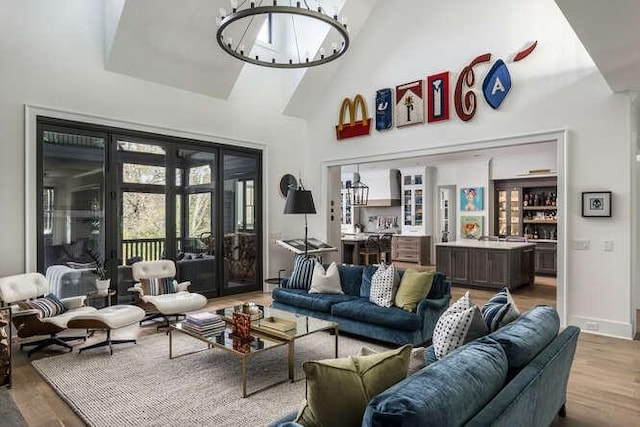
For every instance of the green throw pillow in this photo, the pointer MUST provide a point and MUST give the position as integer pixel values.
(339, 390)
(414, 287)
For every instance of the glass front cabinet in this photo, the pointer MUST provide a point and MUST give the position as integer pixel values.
(414, 199)
(529, 208)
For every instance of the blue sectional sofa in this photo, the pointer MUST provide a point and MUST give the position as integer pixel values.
(515, 376)
(356, 315)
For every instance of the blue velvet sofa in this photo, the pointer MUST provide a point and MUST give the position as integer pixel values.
(356, 315)
(516, 376)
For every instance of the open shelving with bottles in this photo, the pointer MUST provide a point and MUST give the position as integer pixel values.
(540, 210)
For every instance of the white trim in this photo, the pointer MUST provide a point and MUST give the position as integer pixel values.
(559, 136)
(31, 113)
(607, 328)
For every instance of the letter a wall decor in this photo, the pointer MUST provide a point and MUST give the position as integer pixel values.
(409, 104)
(353, 127)
(384, 109)
(438, 97)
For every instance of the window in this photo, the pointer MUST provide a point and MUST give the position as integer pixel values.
(266, 32)
(48, 210)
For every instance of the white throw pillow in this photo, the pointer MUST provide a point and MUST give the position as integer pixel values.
(384, 285)
(461, 323)
(325, 281)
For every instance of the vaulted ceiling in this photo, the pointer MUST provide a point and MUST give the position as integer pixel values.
(173, 43)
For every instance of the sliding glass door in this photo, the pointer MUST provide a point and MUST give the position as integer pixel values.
(119, 197)
(241, 231)
(71, 210)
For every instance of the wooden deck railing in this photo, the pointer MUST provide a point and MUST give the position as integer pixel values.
(147, 249)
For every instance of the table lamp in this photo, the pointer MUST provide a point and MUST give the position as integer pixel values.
(300, 201)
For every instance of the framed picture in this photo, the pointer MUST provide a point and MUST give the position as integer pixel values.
(384, 109)
(471, 227)
(596, 204)
(472, 199)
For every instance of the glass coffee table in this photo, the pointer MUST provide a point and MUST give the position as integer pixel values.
(301, 326)
(241, 349)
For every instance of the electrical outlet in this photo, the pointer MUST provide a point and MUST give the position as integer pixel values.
(591, 326)
(276, 235)
(581, 244)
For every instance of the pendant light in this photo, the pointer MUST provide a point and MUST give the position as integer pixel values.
(359, 191)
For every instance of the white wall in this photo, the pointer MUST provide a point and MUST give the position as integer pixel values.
(52, 55)
(557, 87)
(465, 175)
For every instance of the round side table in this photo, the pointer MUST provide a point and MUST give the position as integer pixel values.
(97, 295)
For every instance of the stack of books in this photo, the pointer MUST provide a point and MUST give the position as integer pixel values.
(205, 323)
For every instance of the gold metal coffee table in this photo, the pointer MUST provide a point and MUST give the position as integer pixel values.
(221, 340)
(304, 325)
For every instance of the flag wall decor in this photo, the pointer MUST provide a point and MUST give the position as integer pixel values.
(409, 104)
(384, 109)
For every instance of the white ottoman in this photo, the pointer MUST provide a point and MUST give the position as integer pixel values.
(108, 318)
(168, 305)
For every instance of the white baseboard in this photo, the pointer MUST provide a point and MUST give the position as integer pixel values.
(604, 327)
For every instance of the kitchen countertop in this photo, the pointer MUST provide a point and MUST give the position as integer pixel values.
(472, 243)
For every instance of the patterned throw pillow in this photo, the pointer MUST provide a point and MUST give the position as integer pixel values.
(500, 310)
(48, 306)
(461, 323)
(384, 285)
(302, 272)
(325, 281)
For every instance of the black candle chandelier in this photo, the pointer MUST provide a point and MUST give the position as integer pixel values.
(293, 9)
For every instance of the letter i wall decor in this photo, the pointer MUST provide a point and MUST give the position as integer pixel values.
(409, 104)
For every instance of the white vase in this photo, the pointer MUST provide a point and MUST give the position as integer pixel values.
(102, 286)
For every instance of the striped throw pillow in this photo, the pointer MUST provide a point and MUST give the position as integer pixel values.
(302, 272)
(157, 286)
(48, 306)
(500, 310)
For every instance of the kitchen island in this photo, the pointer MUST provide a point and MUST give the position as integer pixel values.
(484, 264)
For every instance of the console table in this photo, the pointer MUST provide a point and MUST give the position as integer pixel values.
(485, 264)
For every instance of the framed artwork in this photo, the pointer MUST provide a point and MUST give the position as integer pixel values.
(438, 97)
(409, 104)
(596, 204)
(472, 199)
(384, 109)
(471, 227)
(353, 127)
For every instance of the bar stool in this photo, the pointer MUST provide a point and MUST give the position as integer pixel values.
(385, 247)
(371, 249)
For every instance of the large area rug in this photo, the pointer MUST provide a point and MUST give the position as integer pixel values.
(140, 386)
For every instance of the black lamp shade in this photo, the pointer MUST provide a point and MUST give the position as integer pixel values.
(299, 202)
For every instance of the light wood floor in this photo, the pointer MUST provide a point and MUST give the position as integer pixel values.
(604, 387)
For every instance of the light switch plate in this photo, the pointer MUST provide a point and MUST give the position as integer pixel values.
(608, 245)
(581, 244)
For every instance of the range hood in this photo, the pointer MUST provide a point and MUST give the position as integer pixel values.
(384, 186)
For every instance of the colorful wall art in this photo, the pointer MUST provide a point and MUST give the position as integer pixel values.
(438, 97)
(384, 109)
(471, 227)
(409, 104)
(353, 127)
(472, 199)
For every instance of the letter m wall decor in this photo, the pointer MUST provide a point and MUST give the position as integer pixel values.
(438, 97)
(409, 104)
(353, 127)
